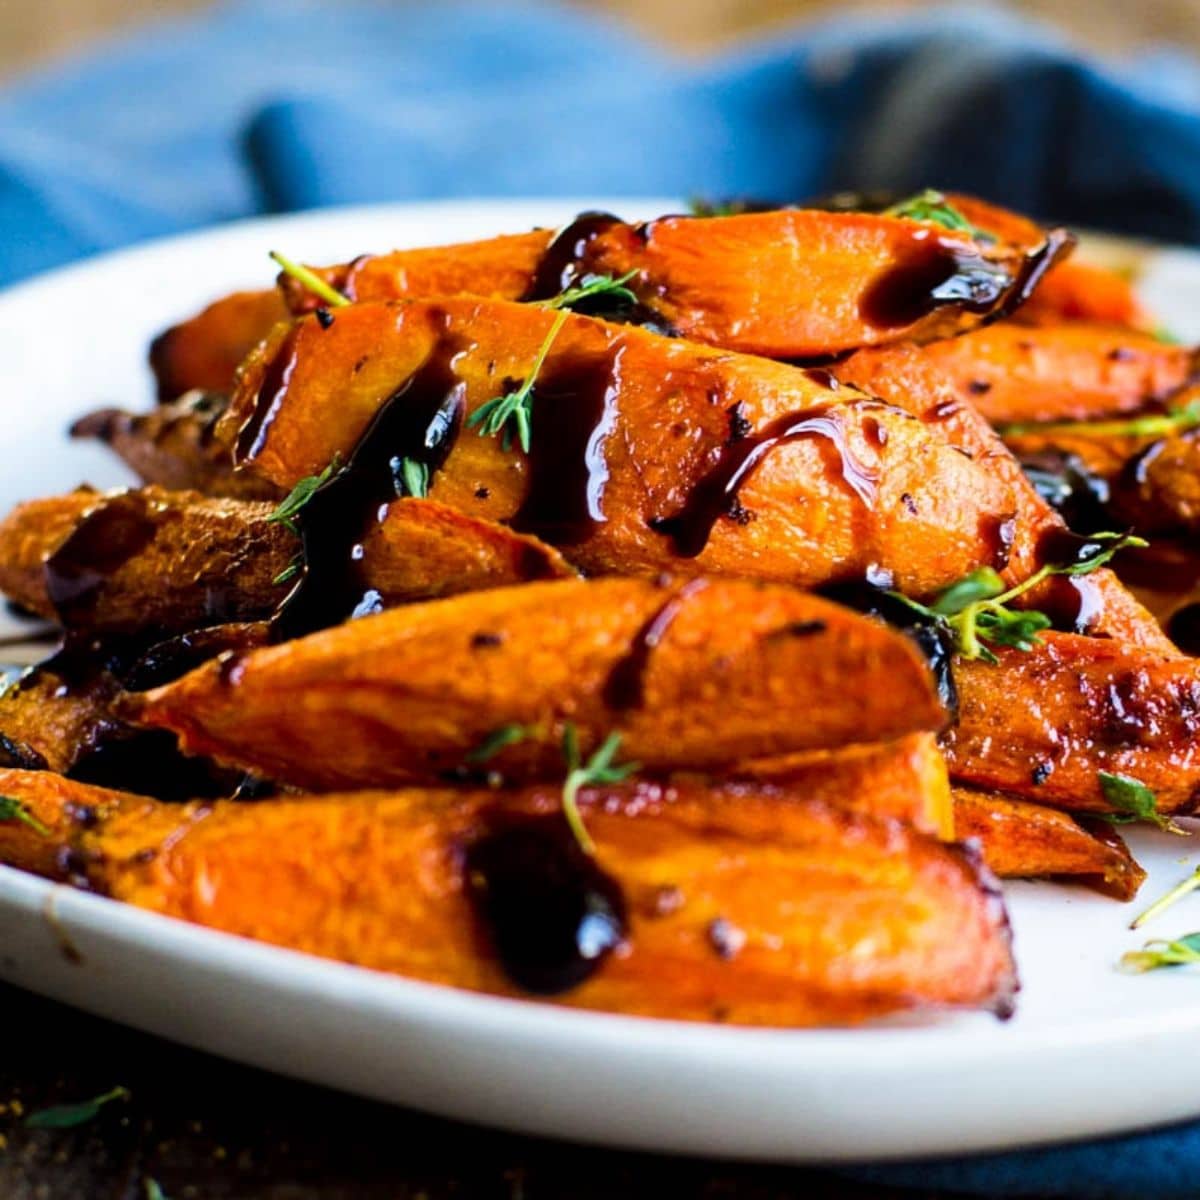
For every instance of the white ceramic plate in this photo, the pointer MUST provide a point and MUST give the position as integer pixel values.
(1091, 1051)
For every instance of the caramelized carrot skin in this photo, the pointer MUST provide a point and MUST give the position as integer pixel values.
(1080, 291)
(204, 548)
(1013, 373)
(729, 281)
(198, 561)
(740, 670)
(1043, 723)
(205, 351)
(1022, 840)
(905, 779)
(876, 488)
(837, 916)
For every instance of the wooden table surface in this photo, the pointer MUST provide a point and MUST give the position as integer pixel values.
(205, 1129)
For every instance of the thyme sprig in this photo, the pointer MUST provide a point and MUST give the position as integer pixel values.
(67, 1116)
(497, 740)
(974, 610)
(289, 507)
(599, 769)
(1178, 420)
(1177, 893)
(591, 286)
(1160, 952)
(311, 280)
(932, 205)
(13, 810)
(1136, 803)
(514, 410)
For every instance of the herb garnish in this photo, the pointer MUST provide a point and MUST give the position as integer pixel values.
(497, 740)
(591, 286)
(414, 476)
(13, 810)
(1153, 425)
(974, 610)
(1190, 884)
(287, 511)
(599, 769)
(153, 1189)
(1136, 802)
(931, 205)
(1162, 953)
(67, 1116)
(311, 280)
(494, 416)
(290, 571)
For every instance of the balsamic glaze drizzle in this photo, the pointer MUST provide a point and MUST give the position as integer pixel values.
(715, 495)
(420, 421)
(574, 412)
(564, 262)
(549, 910)
(271, 394)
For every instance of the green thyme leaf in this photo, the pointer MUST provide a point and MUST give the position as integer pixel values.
(514, 411)
(1135, 802)
(415, 477)
(1177, 420)
(290, 571)
(311, 280)
(591, 286)
(1161, 953)
(598, 770)
(13, 810)
(981, 584)
(285, 514)
(153, 1189)
(497, 740)
(67, 1116)
(932, 206)
(975, 608)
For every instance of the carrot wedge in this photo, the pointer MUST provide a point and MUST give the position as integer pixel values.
(204, 351)
(905, 779)
(835, 918)
(1011, 373)
(646, 454)
(173, 446)
(1021, 840)
(693, 676)
(1042, 724)
(205, 560)
(787, 284)
(1075, 290)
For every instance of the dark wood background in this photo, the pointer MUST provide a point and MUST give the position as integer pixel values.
(204, 1129)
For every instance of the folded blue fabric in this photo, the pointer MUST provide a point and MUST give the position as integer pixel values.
(279, 105)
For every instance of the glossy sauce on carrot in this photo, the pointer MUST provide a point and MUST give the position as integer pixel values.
(549, 910)
(574, 412)
(716, 494)
(419, 422)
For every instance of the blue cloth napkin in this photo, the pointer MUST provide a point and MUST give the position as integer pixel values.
(278, 105)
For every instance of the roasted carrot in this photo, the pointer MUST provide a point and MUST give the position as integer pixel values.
(905, 779)
(786, 284)
(833, 918)
(1075, 290)
(208, 560)
(1013, 373)
(1022, 840)
(691, 676)
(1043, 723)
(647, 454)
(204, 351)
(173, 446)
